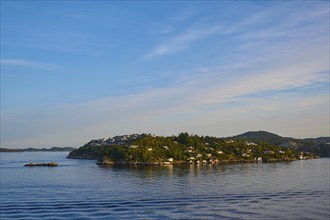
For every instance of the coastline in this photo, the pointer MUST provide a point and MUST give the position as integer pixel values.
(126, 163)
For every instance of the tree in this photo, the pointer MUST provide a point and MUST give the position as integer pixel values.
(183, 138)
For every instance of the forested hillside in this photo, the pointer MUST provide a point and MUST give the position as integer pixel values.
(184, 148)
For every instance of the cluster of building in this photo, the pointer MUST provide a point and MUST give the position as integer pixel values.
(118, 140)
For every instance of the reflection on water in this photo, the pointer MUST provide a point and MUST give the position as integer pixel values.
(79, 189)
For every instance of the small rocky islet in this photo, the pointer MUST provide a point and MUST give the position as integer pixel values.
(147, 149)
(50, 164)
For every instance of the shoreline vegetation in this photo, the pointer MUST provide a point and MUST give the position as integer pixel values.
(147, 149)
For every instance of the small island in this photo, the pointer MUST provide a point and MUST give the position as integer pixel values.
(147, 149)
(50, 164)
(52, 149)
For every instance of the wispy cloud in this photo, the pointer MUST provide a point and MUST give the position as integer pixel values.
(254, 31)
(175, 21)
(166, 29)
(182, 41)
(29, 63)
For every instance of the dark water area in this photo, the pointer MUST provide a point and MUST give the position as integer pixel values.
(79, 189)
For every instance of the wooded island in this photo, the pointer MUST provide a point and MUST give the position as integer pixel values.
(147, 149)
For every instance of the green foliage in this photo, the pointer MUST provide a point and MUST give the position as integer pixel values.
(152, 149)
(183, 138)
(115, 153)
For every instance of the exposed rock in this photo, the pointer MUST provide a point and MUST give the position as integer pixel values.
(105, 161)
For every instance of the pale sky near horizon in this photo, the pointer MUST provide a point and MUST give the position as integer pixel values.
(72, 71)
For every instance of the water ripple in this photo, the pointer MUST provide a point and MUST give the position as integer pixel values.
(229, 205)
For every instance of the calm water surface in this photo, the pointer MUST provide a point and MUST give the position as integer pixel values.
(78, 189)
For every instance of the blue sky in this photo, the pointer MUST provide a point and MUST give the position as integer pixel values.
(72, 71)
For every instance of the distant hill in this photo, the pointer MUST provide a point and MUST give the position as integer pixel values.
(319, 146)
(261, 136)
(53, 149)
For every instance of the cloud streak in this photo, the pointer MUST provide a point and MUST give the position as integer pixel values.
(259, 26)
(181, 41)
(28, 63)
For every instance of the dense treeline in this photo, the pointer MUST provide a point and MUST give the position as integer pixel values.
(186, 148)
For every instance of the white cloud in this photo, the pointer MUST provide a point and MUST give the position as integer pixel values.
(255, 31)
(28, 63)
(167, 29)
(182, 41)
